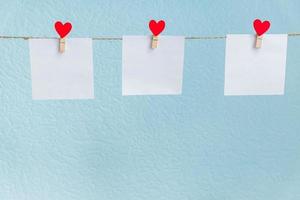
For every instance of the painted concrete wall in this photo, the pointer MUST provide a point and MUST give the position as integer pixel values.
(200, 145)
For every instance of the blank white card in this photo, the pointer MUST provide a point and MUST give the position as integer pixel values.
(149, 71)
(67, 75)
(251, 71)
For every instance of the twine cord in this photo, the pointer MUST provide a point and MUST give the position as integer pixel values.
(120, 38)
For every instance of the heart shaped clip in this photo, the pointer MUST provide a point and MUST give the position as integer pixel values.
(260, 28)
(156, 28)
(63, 30)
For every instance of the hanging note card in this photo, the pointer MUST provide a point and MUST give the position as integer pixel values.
(148, 71)
(252, 71)
(62, 76)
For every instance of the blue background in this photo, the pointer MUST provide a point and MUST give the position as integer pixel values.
(200, 145)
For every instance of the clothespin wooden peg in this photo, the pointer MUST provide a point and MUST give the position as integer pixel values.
(154, 42)
(62, 45)
(156, 28)
(63, 30)
(258, 42)
(261, 28)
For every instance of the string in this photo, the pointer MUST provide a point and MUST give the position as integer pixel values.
(120, 38)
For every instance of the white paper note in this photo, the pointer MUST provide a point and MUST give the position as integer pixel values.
(149, 71)
(67, 75)
(251, 71)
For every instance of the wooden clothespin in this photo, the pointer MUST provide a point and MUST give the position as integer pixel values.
(156, 28)
(154, 42)
(258, 41)
(62, 45)
(261, 28)
(63, 30)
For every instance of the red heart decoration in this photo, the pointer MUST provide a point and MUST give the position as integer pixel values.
(63, 29)
(157, 27)
(261, 27)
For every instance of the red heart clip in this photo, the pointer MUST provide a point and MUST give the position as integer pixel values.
(157, 27)
(63, 29)
(261, 27)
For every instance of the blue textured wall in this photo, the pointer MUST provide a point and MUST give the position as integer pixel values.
(200, 145)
